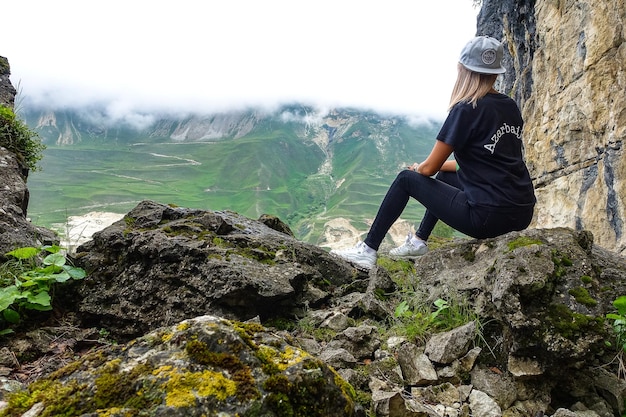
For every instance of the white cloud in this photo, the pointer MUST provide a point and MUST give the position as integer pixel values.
(391, 55)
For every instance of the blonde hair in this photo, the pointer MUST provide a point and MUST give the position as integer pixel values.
(471, 86)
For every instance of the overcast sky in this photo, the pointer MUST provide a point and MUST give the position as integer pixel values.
(396, 56)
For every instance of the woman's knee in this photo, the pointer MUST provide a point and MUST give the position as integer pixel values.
(402, 179)
(409, 181)
(410, 177)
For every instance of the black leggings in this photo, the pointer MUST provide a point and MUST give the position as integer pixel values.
(444, 200)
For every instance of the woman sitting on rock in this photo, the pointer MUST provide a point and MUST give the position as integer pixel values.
(486, 191)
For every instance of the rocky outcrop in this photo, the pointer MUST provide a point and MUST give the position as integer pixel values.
(15, 229)
(219, 126)
(206, 366)
(569, 66)
(7, 91)
(536, 301)
(177, 263)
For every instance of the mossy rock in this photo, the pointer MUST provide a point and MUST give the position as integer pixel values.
(200, 367)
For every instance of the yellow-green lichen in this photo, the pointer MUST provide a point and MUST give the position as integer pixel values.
(66, 370)
(183, 388)
(110, 384)
(523, 241)
(59, 399)
(117, 412)
(200, 352)
(347, 390)
(241, 373)
(276, 361)
(116, 388)
(182, 326)
(247, 331)
(120, 390)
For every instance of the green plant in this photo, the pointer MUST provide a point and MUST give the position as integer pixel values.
(417, 320)
(18, 138)
(619, 321)
(403, 309)
(26, 281)
(619, 328)
(442, 230)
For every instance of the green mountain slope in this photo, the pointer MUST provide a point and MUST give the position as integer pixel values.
(303, 167)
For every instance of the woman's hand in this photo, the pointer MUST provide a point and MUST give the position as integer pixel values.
(413, 167)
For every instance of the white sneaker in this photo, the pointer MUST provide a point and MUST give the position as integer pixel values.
(361, 254)
(410, 248)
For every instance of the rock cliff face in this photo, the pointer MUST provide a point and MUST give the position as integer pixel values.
(7, 92)
(572, 56)
(15, 229)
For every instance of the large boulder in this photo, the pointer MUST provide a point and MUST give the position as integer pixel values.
(162, 264)
(543, 294)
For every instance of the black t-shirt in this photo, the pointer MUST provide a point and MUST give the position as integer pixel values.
(488, 148)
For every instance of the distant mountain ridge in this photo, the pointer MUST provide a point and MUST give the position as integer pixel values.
(72, 126)
(323, 172)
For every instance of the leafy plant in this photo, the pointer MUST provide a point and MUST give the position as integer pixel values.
(18, 138)
(619, 321)
(403, 309)
(418, 320)
(619, 327)
(26, 281)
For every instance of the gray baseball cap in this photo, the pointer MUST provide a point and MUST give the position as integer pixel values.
(483, 54)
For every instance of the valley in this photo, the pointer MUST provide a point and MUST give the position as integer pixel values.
(325, 179)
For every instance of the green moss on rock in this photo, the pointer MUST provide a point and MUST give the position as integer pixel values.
(299, 396)
(523, 241)
(570, 324)
(583, 297)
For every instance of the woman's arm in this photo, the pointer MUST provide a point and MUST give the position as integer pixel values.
(449, 165)
(437, 159)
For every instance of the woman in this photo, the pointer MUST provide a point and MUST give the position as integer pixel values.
(486, 190)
